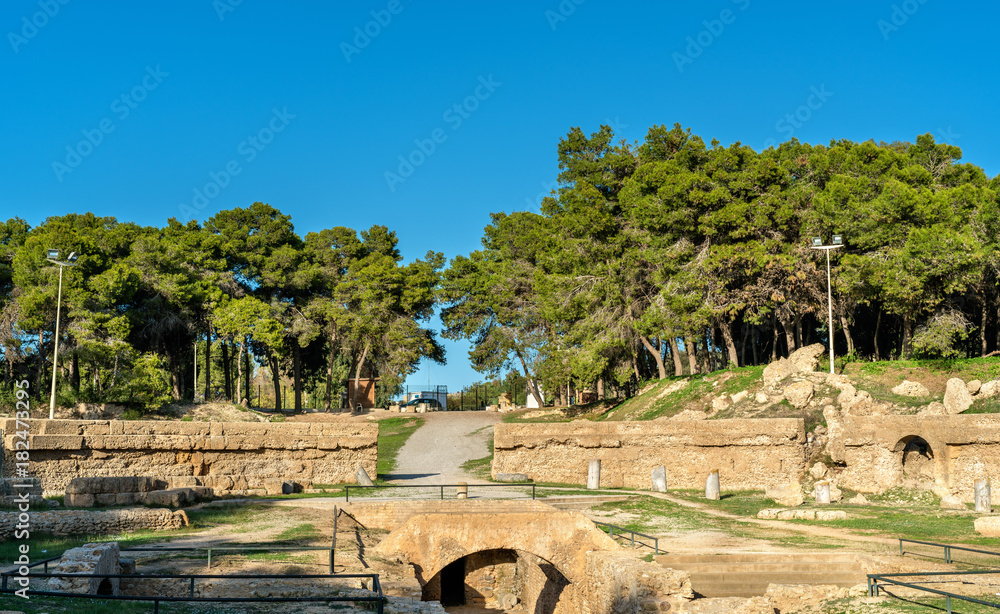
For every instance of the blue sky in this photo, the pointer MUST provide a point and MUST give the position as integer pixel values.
(134, 109)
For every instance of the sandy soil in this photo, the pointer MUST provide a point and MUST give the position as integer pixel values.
(435, 452)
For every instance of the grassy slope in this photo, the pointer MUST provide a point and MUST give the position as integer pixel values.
(878, 378)
(392, 434)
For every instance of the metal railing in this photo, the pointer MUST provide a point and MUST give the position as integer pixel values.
(947, 549)
(874, 587)
(378, 598)
(209, 549)
(621, 531)
(441, 487)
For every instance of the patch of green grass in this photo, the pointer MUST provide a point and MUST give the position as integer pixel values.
(984, 406)
(481, 468)
(392, 434)
(238, 515)
(302, 532)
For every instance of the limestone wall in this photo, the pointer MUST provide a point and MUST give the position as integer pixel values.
(230, 455)
(962, 448)
(750, 454)
(80, 522)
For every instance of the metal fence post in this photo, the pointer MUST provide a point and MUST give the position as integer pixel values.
(532, 491)
(192, 587)
(442, 493)
(347, 493)
(209, 558)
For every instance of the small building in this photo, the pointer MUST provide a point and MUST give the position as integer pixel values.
(366, 392)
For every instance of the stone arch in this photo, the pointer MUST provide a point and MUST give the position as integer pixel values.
(916, 458)
(499, 578)
(559, 540)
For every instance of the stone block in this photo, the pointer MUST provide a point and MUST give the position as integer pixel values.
(512, 477)
(988, 526)
(126, 566)
(172, 497)
(956, 396)
(799, 393)
(79, 500)
(90, 559)
(911, 389)
(974, 386)
(789, 495)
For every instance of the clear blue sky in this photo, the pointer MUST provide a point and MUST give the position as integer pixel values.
(172, 92)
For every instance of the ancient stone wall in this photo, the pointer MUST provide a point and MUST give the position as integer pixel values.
(960, 449)
(750, 454)
(619, 582)
(227, 455)
(80, 522)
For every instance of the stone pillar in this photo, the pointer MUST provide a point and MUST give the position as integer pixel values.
(984, 503)
(659, 478)
(594, 474)
(823, 493)
(362, 476)
(462, 491)
(712, 487)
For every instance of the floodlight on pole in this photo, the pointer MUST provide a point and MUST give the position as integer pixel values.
(817, 243)
(52, 255)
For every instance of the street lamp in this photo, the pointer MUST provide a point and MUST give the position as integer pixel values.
(817, 243)
(52, 256)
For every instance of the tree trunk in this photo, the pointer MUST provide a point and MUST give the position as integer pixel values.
(246, 372)
(675, 353)
(329, 371)
(788, 325)
(706, 355)
(878, 322)
(727, 336)
(531, 383)
(847, 335)
(272, 360)
(982, 330)
(753, 345)
(75, 372)
(208, 367)
(239, 373)
(798, 332)
(904, 350)
(743, 344)
(692, 352)
(600, 388)
(227, 374)
(774, 339)
(41, 363)
(657, 356)
(297, 383)
(357, 375)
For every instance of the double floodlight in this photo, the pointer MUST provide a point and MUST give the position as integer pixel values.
(837, 241)
(53, 254)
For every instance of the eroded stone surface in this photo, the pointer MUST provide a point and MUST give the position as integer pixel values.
(956, 396)
(911, 389)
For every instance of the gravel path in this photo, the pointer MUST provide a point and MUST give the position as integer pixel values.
(435, 452)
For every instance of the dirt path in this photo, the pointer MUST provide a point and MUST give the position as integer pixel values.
(435, 452)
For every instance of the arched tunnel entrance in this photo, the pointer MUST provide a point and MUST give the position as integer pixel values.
(917, 460)
(499, 581)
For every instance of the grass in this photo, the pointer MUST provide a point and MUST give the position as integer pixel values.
(481, 467)
(896, 513)
(392, 434)
(298, 533)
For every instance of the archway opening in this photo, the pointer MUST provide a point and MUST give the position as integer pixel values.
(105, 588)
(453, 583)
(501, 580)
(917, 459)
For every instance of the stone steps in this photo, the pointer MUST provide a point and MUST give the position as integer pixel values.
(747, 575)
(582, 502)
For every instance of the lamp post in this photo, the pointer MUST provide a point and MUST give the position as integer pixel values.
(52, 256)
(817, 243)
